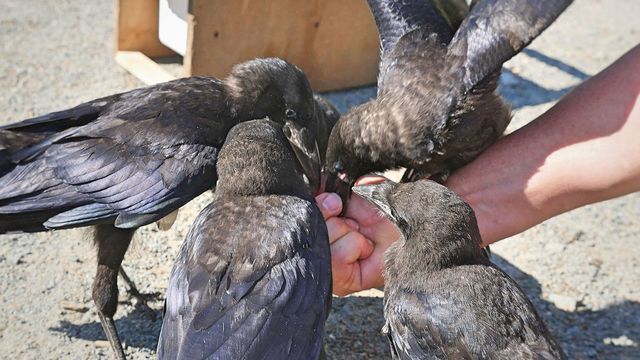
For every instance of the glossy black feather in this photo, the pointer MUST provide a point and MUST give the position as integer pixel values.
(253, 277)
(140, 155)
(495, 31)
(444, 299)
(394, 19)
(131, 158)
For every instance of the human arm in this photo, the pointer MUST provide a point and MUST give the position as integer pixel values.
(583, 150)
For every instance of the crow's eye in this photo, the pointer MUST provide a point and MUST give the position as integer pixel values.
(338, 167)
(290, 114)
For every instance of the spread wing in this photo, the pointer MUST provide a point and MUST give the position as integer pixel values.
(396, 19)
(131, 162)
(252, 280)
(495, 31)
(466, 319)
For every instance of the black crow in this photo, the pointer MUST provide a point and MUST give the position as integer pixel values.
(127, 160)
(443, 298)
(437, 106)
(253, 277)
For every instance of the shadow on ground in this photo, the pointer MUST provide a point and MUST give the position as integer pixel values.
(137, 329)
(578, 331)
(353, 328)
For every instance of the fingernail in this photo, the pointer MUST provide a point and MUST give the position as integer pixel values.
(332, 202)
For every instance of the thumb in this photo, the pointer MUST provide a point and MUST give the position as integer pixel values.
(329, 204)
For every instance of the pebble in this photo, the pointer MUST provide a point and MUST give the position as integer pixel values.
(73, 306)
(563, 302)
(620, 341)
(101, 344)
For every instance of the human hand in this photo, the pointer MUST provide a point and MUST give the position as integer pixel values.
(358, 240)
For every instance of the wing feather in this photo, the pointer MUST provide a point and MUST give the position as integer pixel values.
(495, 31)
(109, 160)
(265, 296)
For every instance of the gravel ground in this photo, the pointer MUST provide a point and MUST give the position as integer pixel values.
(581, 269)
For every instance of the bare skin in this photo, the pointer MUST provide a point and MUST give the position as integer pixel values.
(583, 150)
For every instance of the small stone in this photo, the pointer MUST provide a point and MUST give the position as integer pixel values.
(595, 262)
(17, 259)
(72, 306)
(101, 344)
(620, 341)
(564, 302)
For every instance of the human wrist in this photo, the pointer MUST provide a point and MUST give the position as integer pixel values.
(498, 188)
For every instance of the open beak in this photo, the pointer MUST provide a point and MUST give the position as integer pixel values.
(378, 195)
(333, 183)
(306, 150)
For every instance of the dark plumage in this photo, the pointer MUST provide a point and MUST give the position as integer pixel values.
(437, 106)
(253, 277)
(444, 299)
(129, 159)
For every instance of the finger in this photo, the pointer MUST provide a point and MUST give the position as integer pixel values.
(362, 211)
(350, 248)
(329, 204)
(371, 269)
(346, 278)
(337, 228)
(352, 224)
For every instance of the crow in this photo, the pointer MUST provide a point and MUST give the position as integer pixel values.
(127, 160)
(443, 298)
(253, 277)
(437, 106)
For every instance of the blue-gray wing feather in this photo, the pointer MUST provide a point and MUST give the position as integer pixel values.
(249, 288)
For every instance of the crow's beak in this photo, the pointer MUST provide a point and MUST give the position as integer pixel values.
(378, 195)
(306, 150)
(333, 183)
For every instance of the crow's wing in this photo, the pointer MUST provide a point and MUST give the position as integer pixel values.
(252, 281)
(395, 19)
(495, 31)
(61, 120)
(146, 154)
(473, 311)
(10, 142)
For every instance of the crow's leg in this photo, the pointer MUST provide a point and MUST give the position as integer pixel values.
(112, 245)
(133, 291)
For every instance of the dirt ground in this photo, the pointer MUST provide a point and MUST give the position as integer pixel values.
(581, 269)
